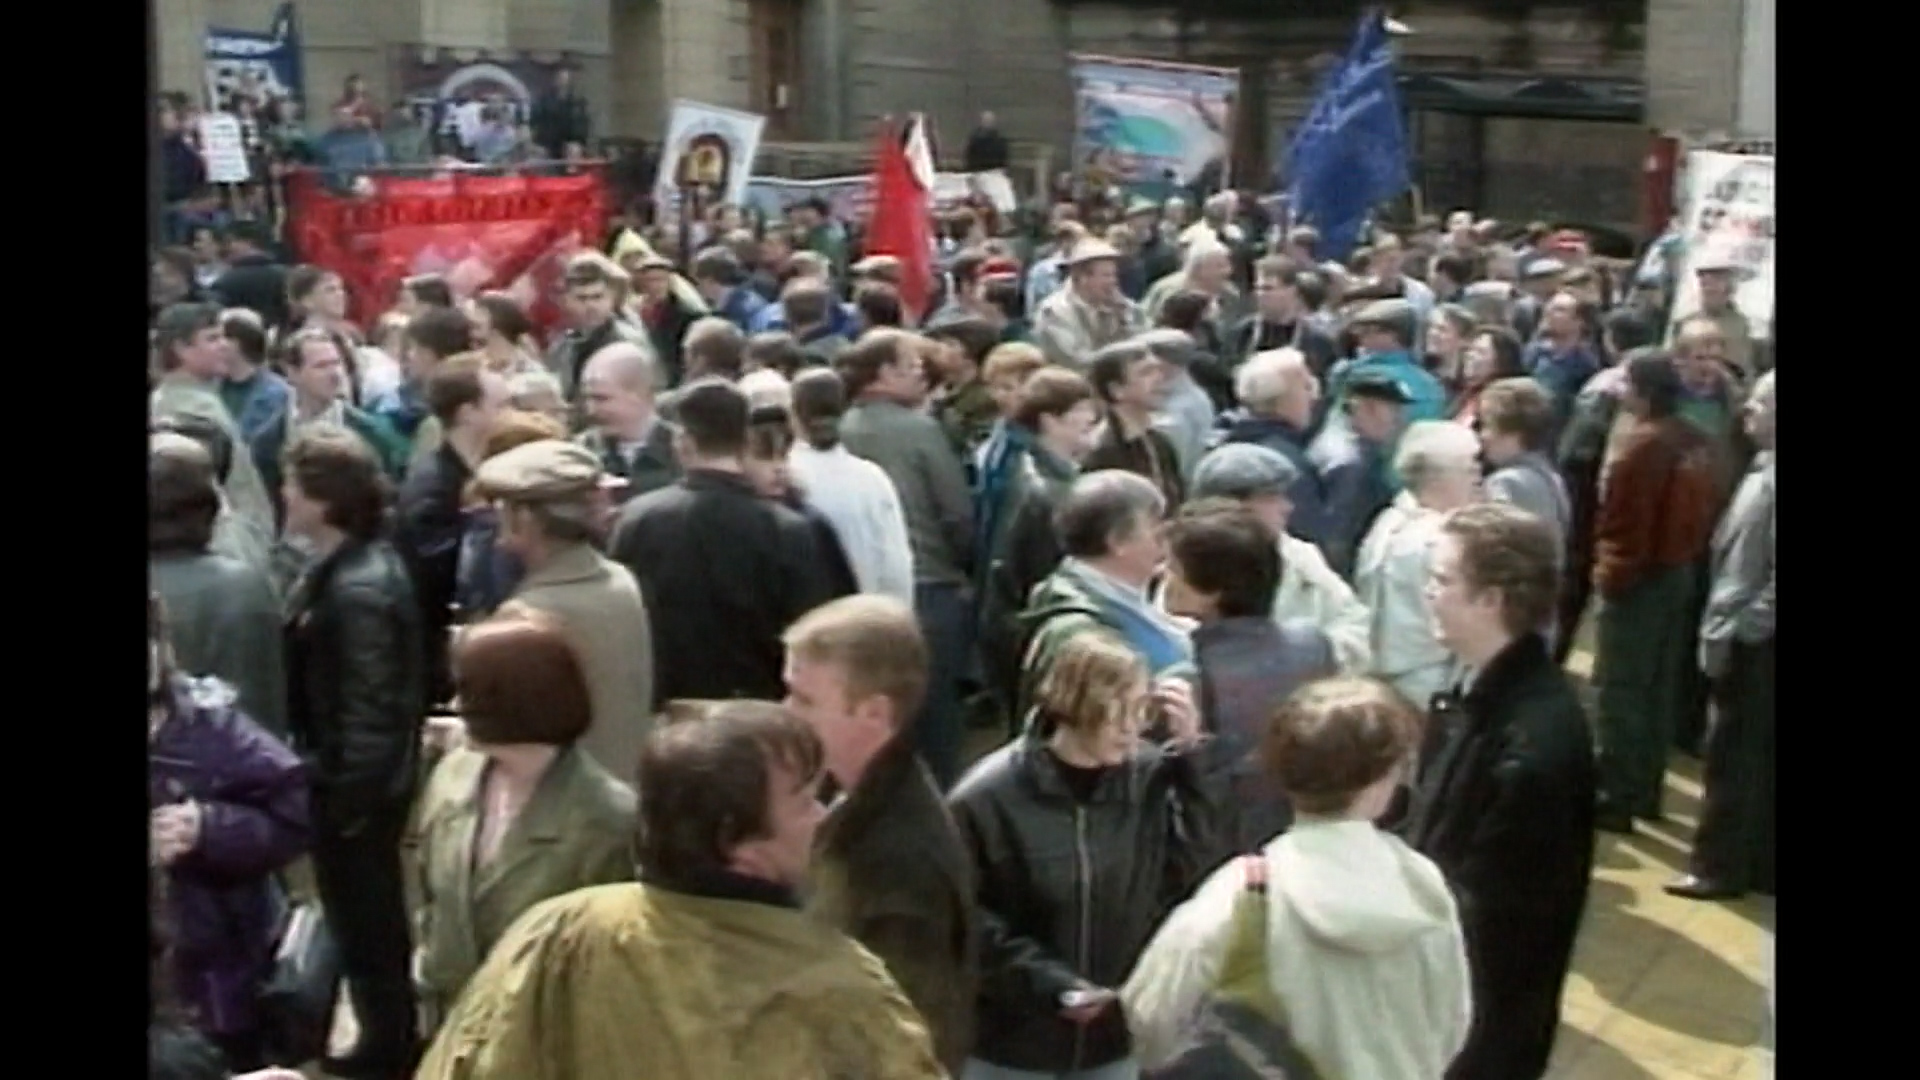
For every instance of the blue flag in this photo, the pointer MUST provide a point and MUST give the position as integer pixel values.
(1351, 154)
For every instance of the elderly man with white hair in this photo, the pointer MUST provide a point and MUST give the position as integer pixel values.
(1208, 269)
(1278, 394)
(1264, 480)
(1439, 461)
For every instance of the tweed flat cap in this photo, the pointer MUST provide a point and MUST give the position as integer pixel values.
(539, 471)
(1243, 471)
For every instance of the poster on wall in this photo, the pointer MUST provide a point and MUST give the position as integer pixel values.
(263, 64)
(708, 146)
(1137, 121)
(513, 233)
(848, 197)
(1728, 213)
(447, 96)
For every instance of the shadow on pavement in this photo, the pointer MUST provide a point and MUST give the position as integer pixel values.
(1579, 1056)
(1665, 978)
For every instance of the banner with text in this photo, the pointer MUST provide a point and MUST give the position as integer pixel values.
(710, 147)
(849, 196)
(482, 232)
(260, 64)
(1137, 121)
(1729, 214)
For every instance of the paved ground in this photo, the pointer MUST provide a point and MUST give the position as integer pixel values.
(1664, 988)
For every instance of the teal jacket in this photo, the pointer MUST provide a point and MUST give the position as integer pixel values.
(1429, 397)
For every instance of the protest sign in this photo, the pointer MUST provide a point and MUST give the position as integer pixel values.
(1729, 214)
(1139, 120)
(711, 147)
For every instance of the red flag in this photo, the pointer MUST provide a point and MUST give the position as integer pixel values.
(900, 223)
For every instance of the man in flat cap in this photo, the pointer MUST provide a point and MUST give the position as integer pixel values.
(551, 512)
(1090, 312)
(1717, 276)
(1382, 331)
(1539, 279)
(665, 312)
(1264, 480)
(1350, 454)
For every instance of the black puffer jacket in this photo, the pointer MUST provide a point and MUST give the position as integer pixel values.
(356, 682)
(1071, 892)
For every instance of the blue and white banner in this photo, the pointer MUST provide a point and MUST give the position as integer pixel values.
(248, 61)
(1138, 121)
(1351, 154)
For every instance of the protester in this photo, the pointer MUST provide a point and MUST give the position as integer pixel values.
(486, 573)
(551, 520)
(618, 387)
(1131, 383)
(886, 383)
(357, 692)
(1659, 496)
(1364, 948)
(466, 399)
(597, 984)
(1504, 804)
(1223, 570)
(518, 815)
(1308, 590)
(1733, 848)
(717, 562)
(191, 355)
(1053, 420)
(1062, 932)
(596, 289)
(227, 808)
(855, 495)
(222, 616)
(889, 867)
(1440, 461)
(1349, 457)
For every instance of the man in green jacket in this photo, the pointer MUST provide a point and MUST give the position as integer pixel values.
(1110, 531)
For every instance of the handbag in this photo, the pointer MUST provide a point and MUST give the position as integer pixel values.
(1240, 1031)
(297, 1000)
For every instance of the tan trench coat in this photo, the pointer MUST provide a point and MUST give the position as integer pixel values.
(599, 605)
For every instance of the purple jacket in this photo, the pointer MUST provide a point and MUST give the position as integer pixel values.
(221, 897)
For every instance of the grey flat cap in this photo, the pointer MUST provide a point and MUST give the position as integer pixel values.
(1394, 314)
(1243, 471)
(539, 471)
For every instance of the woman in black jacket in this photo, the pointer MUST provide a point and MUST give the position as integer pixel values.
(1082, 840)
(356, 697)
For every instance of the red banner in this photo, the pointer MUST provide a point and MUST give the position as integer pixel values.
(481, 232)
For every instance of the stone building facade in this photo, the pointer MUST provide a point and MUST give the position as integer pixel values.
(1710, 68)
(825, 70)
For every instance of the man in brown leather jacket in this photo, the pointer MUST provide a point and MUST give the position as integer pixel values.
(1657, 505)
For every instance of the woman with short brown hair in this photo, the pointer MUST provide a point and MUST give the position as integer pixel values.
(1364, 946)
(519, 814)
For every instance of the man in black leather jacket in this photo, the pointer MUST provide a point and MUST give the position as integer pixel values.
(356, 697)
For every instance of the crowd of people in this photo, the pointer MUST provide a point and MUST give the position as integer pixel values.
(623, 690)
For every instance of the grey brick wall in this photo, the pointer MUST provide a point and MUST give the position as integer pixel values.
(1693, 64)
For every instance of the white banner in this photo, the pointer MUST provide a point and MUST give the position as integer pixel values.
(709, 146)
(224, 148)
(1729, 213)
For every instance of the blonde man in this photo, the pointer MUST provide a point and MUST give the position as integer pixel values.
(889, 868)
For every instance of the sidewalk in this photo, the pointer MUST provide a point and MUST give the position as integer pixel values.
(1663, 987)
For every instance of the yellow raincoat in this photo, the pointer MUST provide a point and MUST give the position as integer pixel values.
(634, 982)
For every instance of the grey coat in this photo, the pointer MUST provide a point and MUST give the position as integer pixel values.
(916, 455)
(224, 620)
(1248, 666)
(1740, 596)
(1531, 483)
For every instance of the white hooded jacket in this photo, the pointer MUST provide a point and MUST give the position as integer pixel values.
(1364, 950)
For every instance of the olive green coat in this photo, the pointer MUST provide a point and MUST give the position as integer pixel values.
(636, 982)
(576, 830)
